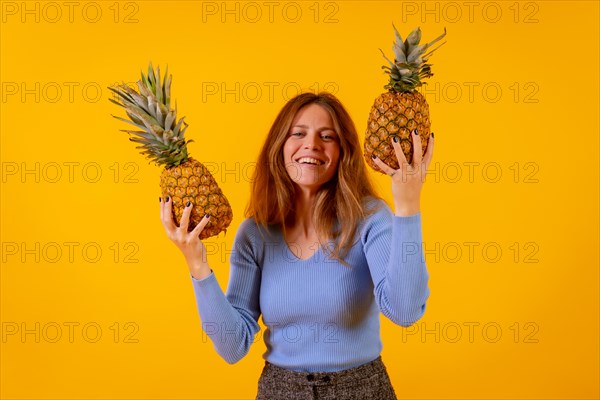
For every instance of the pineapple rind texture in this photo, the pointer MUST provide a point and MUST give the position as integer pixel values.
(396, 114)
(191, 181)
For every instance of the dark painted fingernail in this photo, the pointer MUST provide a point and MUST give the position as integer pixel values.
(160, 199)
(373, 156)
(416, 132)
(206, 216)
(395, 139)
(188, 204)
(432, 135)
(167, 200)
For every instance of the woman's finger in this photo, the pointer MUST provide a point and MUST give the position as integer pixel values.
(200, 227)
(429, 152)
(399, 153)
(417, 149)
(383, 166)
(185, 217)
(160, 200)
(167, 215)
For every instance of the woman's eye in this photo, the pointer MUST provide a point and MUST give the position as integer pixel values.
(297, 134)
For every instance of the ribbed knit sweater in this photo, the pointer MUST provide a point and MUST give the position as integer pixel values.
(320, 315)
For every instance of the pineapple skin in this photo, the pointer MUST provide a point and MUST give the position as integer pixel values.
(192, 181)
(396, 114)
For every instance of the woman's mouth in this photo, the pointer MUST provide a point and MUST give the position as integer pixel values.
(310, 161)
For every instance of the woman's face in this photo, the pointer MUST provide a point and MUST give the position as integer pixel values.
(311, 151)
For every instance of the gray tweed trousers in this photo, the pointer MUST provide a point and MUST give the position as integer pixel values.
(366, 382)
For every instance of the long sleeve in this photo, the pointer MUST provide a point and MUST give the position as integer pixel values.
(231, 319)
(394, 250)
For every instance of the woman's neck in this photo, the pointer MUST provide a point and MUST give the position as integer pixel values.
(302, 222)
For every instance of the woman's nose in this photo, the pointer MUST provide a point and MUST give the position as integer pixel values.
(311, 142)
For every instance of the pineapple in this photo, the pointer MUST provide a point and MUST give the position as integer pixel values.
(402, 109)
(161, 137)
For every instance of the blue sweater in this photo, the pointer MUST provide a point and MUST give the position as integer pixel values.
(320, 315)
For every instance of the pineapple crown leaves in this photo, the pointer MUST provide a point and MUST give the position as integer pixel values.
(160, 135)
(410, 65)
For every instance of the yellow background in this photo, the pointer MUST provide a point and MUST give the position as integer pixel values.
(549, 50)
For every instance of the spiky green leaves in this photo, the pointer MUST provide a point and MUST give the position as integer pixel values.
(410, 67)
(161, 136)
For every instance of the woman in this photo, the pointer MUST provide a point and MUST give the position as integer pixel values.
(319, 255)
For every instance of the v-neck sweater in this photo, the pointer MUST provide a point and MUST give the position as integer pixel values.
(320, 315)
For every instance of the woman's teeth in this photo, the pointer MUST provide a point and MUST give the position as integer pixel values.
(308, 160)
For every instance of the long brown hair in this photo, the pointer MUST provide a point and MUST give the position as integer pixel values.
(340, 201)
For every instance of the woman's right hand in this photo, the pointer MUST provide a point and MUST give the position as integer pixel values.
(188, 242)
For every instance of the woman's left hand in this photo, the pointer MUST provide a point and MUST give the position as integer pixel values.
(408, 179)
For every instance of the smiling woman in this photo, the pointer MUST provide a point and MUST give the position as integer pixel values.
(319, 256)
(305, 200)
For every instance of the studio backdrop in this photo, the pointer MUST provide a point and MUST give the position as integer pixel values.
(97, 303)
